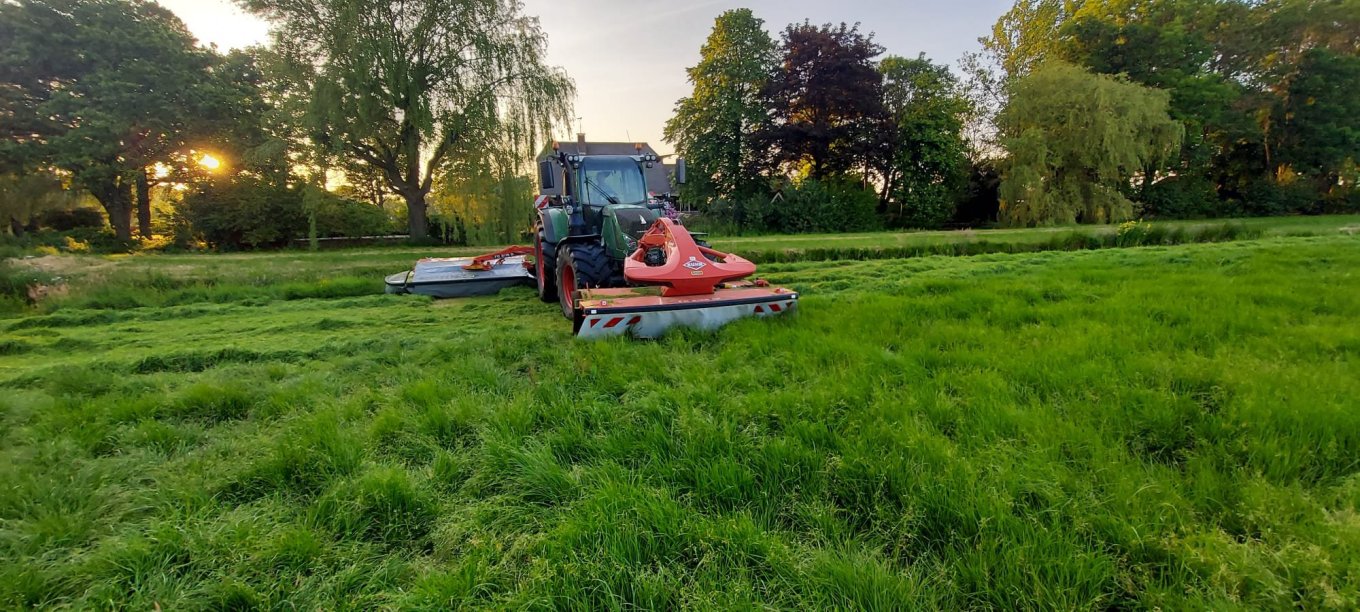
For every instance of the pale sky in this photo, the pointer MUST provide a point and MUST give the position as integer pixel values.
(628, 57)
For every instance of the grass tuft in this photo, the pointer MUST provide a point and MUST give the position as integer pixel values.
(383, 505)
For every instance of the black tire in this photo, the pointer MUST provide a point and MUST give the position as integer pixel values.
(545, 268)
(583, 265)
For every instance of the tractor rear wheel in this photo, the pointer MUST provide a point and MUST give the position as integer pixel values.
(545, 268)
(580, 266)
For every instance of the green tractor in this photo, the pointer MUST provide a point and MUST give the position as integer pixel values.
(592, 211)
(613, 257)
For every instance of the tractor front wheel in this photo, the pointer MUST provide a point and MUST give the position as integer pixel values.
(579, 266)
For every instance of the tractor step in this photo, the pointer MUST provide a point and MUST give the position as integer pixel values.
(645, 313)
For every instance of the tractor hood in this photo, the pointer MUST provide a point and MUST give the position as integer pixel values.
(634, 219)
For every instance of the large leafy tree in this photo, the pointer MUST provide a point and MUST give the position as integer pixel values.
(255, 137)
(1167, 44)
(1319, 117)
(1307, 55)
(1028, 34)
(825, 100)
(711, 127)
(401, 85)
(102, 89)
(1243, 78)
(925, 170)
(1075, 139)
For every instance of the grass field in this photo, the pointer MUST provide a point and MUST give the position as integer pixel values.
(1269, 226)
(160, 279)
(1172, 427)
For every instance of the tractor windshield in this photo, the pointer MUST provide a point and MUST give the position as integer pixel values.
(612, 180)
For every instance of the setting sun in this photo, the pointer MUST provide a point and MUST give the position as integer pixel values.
(210, 162)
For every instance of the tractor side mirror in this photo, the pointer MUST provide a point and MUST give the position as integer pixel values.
(680, 171)
(545, 174)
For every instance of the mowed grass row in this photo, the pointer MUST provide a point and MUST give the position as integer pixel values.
(171, 279)
(1170, 427)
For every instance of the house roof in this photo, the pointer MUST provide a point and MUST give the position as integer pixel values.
(658, 176)
(605, 148)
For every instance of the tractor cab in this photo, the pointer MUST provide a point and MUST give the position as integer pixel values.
(592, 212)
(603, 196)
(612, 194)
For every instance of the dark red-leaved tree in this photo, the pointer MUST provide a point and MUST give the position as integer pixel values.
(825, 100)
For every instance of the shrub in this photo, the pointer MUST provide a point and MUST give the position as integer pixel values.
(810, 206)
(980, 203)
(1267, 198)
(738, 215)
(67, 219)
(248, 213)
(337, 216)
(833, 205)
(1132, 233)
(245, 213)
(930, 208)
(1342, 201)
(1183, 198)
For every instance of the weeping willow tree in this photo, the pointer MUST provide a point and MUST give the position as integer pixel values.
(486, 193)
(1075, 140)
(400, 85)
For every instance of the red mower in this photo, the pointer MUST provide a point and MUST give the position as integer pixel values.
(676, 282)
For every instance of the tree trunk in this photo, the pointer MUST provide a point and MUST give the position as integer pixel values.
(143, 204)
(1149, 172)
(116, 199)
(416, 214)
(16, 226)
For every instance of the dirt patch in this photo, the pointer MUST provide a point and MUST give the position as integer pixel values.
(38, 293)
(91, 268)
(66, 265)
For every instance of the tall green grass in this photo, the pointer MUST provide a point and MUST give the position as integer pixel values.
(1168, 427)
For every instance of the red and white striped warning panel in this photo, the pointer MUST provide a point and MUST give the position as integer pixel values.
(597, 323)
(541, 202)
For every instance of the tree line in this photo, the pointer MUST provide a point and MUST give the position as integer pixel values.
(353, 106)
(1075, 111)
(365, 116)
